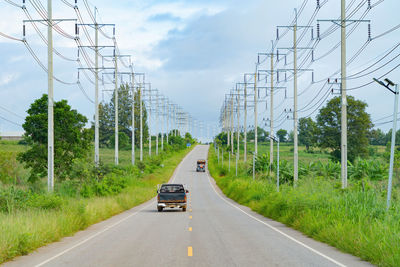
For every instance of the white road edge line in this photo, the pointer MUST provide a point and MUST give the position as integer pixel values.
(111, 226)
(93, 236)
(273, 228)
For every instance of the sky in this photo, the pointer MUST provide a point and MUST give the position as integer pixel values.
(195, 52)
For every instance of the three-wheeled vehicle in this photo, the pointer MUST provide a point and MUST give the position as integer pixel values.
(201, 165)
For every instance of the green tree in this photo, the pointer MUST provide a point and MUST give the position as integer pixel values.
(107, 117)
(307, 132)
(261, 134)
(281, 133)
(123, 141)
(377, 137)
(71, 140)
(358, 126)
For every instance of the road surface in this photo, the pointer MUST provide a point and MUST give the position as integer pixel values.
(215, 231)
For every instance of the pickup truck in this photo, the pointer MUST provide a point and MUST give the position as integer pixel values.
(171, 196)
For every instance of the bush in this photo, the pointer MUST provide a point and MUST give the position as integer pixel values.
(8, 167)
(46, 201)
(12, 198)
(110, 185)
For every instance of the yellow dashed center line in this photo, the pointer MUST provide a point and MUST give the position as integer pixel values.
(190, 251)
(190, 229)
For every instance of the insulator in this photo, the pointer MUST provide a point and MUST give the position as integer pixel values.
(76, 1)
(23, 2)
(318, 4)
(318, 31)
(312, 33)
(258, 59)
(114, 31)
(285, 60)
(23, 30)
(277, 55)
(329, 80)
(312, 55)
(332, 91)
(78, 52)
(258, 93)
(369, 32)
(114, 52)
(285, 93)
(76, 29)
(277, 33)
(312, 77)
(277, 76)
(369, 4)
(78, 75)
(285, 77)
(336, 80)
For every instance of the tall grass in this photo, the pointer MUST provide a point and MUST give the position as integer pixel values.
(24, 230)
(353, 220)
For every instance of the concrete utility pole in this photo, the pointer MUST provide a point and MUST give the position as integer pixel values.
(344, 97)
(271, 145)
(157, 125)
(168, 113)
(133, 117)
(394, 129)
(295, 137)
(96, 95)
(343, 147)
(232, 125)
(149, 120)
(50, 119)
(238, 124)
(255, 113)
(141, 121)
(162, 123)
(295, 96)
(116, 148)
(245, 120)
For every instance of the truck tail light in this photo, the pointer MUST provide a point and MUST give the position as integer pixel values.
(185, 198)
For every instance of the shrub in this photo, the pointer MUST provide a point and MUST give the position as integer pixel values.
(44, 201)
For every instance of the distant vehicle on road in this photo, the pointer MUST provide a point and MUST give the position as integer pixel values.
(201, 165)
(171, 196)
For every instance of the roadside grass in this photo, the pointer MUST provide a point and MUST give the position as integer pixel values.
(353, 220)
(24, 230)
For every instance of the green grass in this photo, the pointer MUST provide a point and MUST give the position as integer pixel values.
(353, 220)
(23, 231)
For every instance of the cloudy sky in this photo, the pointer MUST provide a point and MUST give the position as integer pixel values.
(194, 51)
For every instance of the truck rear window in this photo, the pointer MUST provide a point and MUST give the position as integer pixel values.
(172, 189)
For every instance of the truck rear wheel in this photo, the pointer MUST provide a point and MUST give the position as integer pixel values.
(159, 209)
(184, 209)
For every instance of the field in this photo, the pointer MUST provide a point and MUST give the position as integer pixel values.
(354, 220)
(30, 218)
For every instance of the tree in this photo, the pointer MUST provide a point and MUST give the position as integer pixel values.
(107, 117)
(358, 127)
(290, 137)
(281, 135)
(261, 134)
(388, 137)
(307, 132)
(378, 137)
(71, 140)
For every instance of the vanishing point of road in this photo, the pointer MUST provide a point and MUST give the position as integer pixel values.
(215, 231)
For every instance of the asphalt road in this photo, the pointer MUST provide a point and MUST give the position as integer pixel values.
(214, 231)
